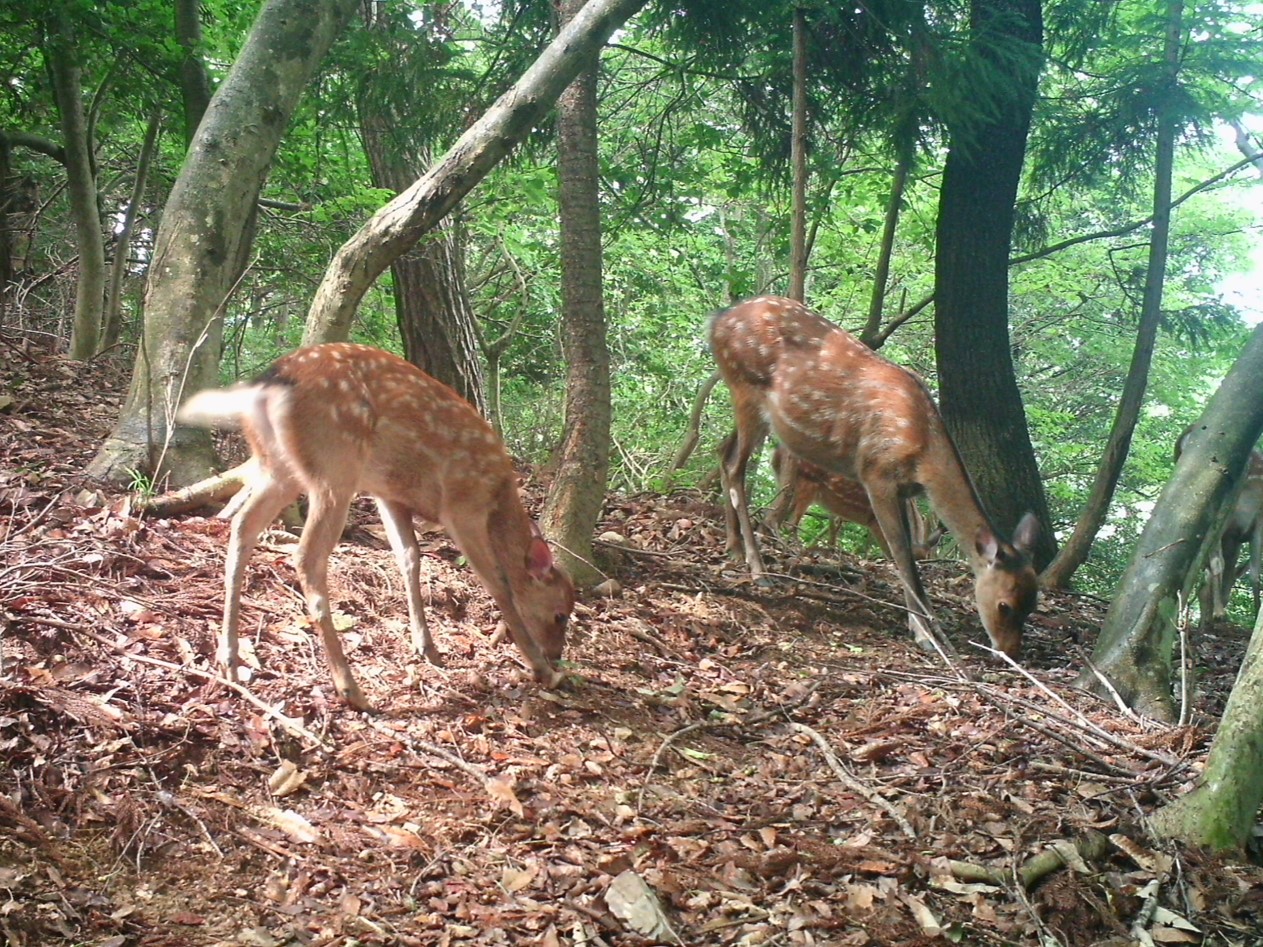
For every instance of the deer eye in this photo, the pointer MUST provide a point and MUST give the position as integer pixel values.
(1005, 609)
(562, 619)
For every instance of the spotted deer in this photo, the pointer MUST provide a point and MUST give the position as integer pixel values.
(1242, 529)
(336, 420)
(839, 405)
(803, 484)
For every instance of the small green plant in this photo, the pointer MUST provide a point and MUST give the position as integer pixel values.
(141, 483)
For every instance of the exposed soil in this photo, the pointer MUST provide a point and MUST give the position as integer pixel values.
(726, 765)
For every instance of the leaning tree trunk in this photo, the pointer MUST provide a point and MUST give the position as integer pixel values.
(979, 397)
(578, 493)
(199, 245)
(398, 225)
(871, 334)
(113, 322)
(1135, 645)
(81, 185)
(1075, 551)
(1220, 812)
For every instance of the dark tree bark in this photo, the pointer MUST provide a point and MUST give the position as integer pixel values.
(1135, 645)
(81, 187)
(195, 83)
(432, 305)
(978, 391)
(871, 335)
(201, 239)
(6, 232)
(578, 492)
(1075, 551)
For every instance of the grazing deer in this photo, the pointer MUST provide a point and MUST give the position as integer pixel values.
(332, 421)
(803, 484)
(1243, 527)
(835, 403)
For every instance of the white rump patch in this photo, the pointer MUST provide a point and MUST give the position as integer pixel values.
(221, 407)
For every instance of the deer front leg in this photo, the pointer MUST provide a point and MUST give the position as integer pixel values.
(734, 462)
(403, 542)
(891, 519)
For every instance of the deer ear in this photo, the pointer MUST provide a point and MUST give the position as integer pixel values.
(539, 558)
(1026, 533)
(987, 544)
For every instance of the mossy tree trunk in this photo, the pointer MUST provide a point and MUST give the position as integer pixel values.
(1134, 649)
(1219, 813)
(200, 242)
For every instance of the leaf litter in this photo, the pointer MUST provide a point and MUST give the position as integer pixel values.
(727, 765)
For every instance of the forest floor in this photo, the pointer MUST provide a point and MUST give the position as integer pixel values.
(726, 765)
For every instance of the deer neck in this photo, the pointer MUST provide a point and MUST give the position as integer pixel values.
(952, 495)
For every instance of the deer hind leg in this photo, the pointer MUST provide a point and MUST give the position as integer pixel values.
(735, 456)
(268, 495)
(325, 520)
(891, 514)
(403, 542)
(1224, 571)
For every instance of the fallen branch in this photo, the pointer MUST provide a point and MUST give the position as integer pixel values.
(419, 746)
(853, 783)
(289, 724)
(751, 721)
(220, 488)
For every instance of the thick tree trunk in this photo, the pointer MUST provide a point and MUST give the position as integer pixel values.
(1075, 551)
(199, 243)
(978, 391)
(578, 492)
(398, 225)
(432, 306)
(195, 83)
(1220, 812)
(1135, 645)
(122, 246)
(81, 187)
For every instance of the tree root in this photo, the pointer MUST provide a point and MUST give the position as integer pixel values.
(221, 488)
(1090, 847)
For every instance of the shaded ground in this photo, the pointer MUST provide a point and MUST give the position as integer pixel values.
(772, 766)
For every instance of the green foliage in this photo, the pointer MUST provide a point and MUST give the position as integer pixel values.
(694, 144)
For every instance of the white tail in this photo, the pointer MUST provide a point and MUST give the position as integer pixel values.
(835, 403)
(336, 420)
(803, 484)
(1242, 528)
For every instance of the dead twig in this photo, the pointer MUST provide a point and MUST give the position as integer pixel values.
(752, 721)
(289, 724)
(852, 782)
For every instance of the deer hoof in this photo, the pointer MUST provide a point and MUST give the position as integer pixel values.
(355, 697)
